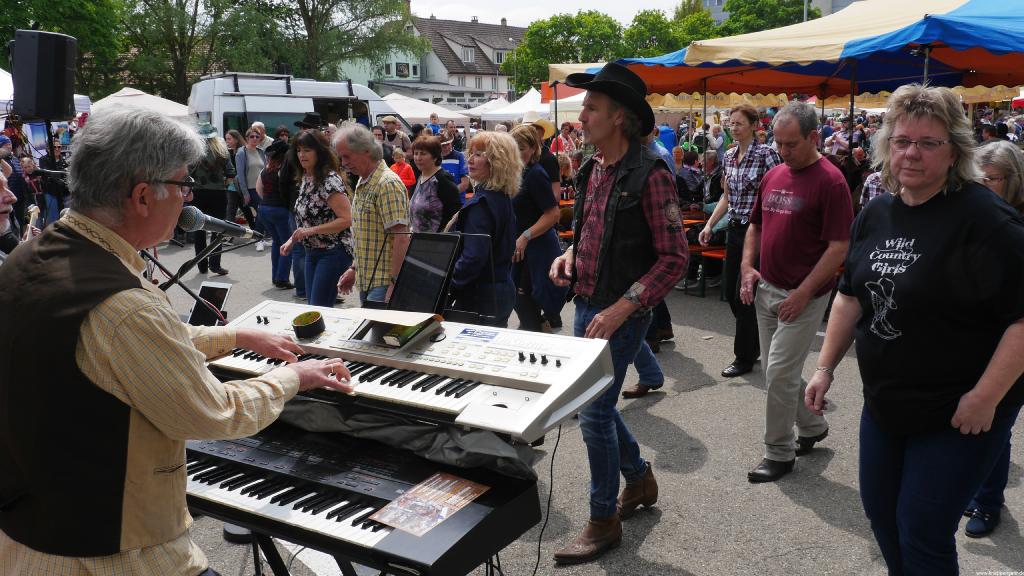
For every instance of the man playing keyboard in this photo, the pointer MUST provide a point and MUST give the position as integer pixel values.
(92, 446)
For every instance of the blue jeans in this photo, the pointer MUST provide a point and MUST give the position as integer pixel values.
(915, 489)
(647, 367)
(611, 448)
(52, 208)
(323, 268)
(377, 294)
(990, 496)
(254, 207)
(298, 262)
(277, 221)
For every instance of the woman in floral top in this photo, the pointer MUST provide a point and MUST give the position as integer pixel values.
(323, 217)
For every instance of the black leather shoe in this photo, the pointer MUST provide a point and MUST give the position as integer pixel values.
(770, 471)
(219, 271)
(737, 368)
(804, 444)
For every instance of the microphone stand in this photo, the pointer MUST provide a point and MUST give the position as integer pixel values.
(210, 248)
(187, 290)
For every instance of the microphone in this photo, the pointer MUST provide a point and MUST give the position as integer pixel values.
(62, 174)
(193, 220)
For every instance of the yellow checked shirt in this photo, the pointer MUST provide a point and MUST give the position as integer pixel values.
(135, 347)
(381, 202)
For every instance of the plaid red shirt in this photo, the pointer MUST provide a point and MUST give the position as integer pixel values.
(872, 187)
(661, 207)
(744, 177)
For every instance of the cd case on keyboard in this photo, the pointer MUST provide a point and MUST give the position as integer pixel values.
(386, 332)
(429, 503)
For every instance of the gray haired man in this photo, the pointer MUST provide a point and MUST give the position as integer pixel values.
(380, 216)
(127, 382)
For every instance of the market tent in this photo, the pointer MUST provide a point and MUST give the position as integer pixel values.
(418, 111)
(879, 42)
(139, 99)
(569, 108)
(514, 111)
(499, 102)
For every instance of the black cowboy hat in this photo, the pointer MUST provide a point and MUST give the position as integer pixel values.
(278, 147)
(310, 120)
(622, 85)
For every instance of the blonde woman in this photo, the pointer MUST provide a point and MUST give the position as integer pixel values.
(931, 294)
(482, 280)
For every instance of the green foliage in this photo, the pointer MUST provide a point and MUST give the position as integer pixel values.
(587, 36)
(92, 22)
(651, 34)
(686, 8)
(694, 26)
(747, 16)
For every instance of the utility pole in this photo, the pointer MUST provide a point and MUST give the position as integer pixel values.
(805, 10)
(515, 67)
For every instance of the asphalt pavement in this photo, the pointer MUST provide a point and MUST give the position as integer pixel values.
(702, 433)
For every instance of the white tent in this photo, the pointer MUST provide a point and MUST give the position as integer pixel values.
(414, 110)
(569, 108)
(499, 102)
(82, 103)
(139, 99)
(514, 111)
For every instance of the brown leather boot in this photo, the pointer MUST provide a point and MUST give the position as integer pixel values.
(599, 536)
(643, 492)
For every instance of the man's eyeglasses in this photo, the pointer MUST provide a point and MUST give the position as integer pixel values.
(901, 144)
(185, 185)
(987, 179)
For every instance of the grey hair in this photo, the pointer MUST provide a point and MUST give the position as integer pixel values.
(1009, 160)
(121, 147)
(913, 101)
(710, 154)
(803, 113)
(358, 138)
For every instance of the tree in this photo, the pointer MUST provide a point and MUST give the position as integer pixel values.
(696, 26)
(93, 23)
(587, 36)
(337, 30)
(687, 7)
(747, 16)
(651, 34)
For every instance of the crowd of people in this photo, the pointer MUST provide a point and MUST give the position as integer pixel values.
(873, 211)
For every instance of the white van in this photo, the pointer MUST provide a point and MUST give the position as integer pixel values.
(234, 100)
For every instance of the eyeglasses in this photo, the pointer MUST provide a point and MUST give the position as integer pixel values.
(253, 136)
(987, 179)
(185, 186)
(901, 144)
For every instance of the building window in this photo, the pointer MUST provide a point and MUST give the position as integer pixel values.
(402, 69)
(718, 2)
(457, 95)
(467, 54)
(462, 81)
(499, 57)
(494, 83)
(387, 69)
(476, 94)
(478, 83)
(415, 70)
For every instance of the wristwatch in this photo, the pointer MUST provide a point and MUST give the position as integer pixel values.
(527, 234)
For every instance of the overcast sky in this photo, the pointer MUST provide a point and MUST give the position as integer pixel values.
(522, 12)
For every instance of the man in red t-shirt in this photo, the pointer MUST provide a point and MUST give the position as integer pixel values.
(800, 228)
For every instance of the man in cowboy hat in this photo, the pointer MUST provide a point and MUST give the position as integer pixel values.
(628, 252)
(311, 121)
(394, 136)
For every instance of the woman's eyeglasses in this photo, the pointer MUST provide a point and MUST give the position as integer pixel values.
(901, 144)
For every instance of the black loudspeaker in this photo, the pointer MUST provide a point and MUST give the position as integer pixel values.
(44, 75)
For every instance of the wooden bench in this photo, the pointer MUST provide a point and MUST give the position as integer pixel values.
(706, 253)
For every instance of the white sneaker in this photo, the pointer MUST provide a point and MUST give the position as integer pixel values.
(260, 246)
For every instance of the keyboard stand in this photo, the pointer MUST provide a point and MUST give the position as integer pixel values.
(264, 543)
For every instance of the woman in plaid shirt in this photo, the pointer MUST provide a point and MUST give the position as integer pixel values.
(743, 167)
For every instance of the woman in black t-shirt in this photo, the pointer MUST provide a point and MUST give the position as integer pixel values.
(931, 294)
(537, 246)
